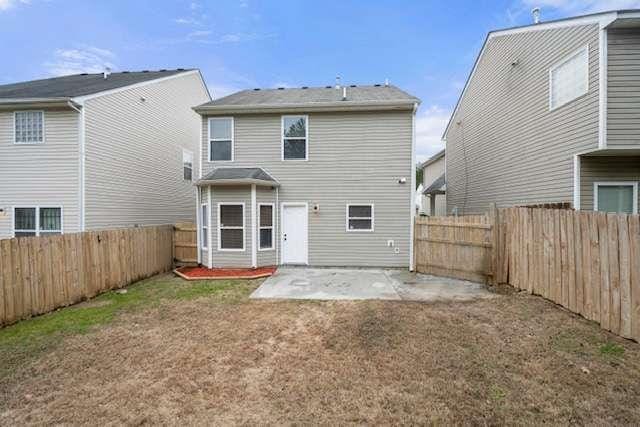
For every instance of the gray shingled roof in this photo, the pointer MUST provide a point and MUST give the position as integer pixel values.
(238, 175)
(356, 95)
(79, 84)
(437, 187)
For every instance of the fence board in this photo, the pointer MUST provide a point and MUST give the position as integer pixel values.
(40, 274)
(634, 276)
(625, 275)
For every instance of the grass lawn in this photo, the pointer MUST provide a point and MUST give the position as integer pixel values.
(170, 351)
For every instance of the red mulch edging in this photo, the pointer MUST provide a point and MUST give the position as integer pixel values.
(202, 273)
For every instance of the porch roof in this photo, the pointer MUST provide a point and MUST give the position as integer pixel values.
(437, 187)
(238, 176)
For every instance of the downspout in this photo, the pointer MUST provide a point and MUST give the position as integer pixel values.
(81, 163)
(254, 252)
(412, 210)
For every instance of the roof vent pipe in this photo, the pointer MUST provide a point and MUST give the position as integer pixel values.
(337, 82)
(106, 73)
(386, 82)
(344, 93)
(535, 12)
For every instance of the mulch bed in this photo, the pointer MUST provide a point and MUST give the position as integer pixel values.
(204, 273)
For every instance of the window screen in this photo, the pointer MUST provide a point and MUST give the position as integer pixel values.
(294, 137)
(231, 227)
(221, 139)
(360, 217)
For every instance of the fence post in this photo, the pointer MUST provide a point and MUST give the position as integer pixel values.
(493, 221)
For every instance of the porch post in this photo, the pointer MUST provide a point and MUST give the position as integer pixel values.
(209, 231)
(254, 251)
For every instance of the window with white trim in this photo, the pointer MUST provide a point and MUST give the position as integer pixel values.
(359, 217)
(618, 197)
(266, 226)
(230, 227)
(28, 127)
(36, 221)
(221, 139)
(204, 226)
(294, 138)
(569, 79)
(187, 165)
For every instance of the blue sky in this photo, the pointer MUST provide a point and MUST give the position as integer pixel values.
(425, 47)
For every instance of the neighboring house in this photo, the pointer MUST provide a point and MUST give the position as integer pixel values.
(434, 202)
(309, 176)
(95, 151)
(550, 114)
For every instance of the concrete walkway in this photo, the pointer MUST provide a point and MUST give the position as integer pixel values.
(361, 284)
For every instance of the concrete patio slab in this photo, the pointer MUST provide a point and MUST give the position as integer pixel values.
(361, 284)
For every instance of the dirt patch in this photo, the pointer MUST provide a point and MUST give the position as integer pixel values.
(515, 359)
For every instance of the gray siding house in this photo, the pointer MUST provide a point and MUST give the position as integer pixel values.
(434, 201)
(96, 151)
(549, 114)
(308, 176)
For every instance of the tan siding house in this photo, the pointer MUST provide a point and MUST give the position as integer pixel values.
(96, 151)
(336, 173)
(542, 102)
(434, 202)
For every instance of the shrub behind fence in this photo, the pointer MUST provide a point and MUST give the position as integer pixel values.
(40, 274)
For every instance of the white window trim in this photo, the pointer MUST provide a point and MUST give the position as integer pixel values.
(43, 128)
(210, 140)
(306, 138)
(359, 217)
(37, 208)
(273, 227)
(632, 184)
(189, 152)
(204, 226)
(559, 64)
(244, 229)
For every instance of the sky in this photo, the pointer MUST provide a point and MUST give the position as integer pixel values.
(426, 47)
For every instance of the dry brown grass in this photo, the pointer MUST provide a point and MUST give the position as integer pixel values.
(515, 359)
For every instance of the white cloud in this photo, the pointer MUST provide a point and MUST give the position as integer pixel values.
(577, 7)
(199, 34)
(84, 59)
(430, 125)
(8, 4)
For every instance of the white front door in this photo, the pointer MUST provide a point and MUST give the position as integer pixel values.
(294, 233)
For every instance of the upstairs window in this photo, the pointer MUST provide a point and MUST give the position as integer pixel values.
(28, 127)
(266, 226)
(37, 221)
(294, 138)
(230, 227)
(221, 139)
(359, 217)
(569, 79)
(187, 165)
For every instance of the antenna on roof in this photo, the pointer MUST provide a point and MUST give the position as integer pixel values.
(337, 82)
(535, 13)
(106, 73)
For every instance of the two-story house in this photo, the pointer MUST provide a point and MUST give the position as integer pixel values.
(311, 176)
(96, 151)
(434, 186)
(550, 113)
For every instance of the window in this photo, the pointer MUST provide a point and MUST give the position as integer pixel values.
(221, 139)
(204, 226)
(28, 127)
(266, 226)
(620, 197)
(359, 217)
(230, 227)
(294, 138)
(36, 221)
(569, 79)
(187, 165)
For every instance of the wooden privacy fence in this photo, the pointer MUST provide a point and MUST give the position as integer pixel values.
(452, 246)
(588, 262)
(40, 274)
(185, 243)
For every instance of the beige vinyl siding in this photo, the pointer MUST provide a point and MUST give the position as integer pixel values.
(353, 158)
(597, 169)
(623, 99)
(44, 174)
(430, 173)
(134, 169)
(266, 195)
(508, 148)
(231, 194)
